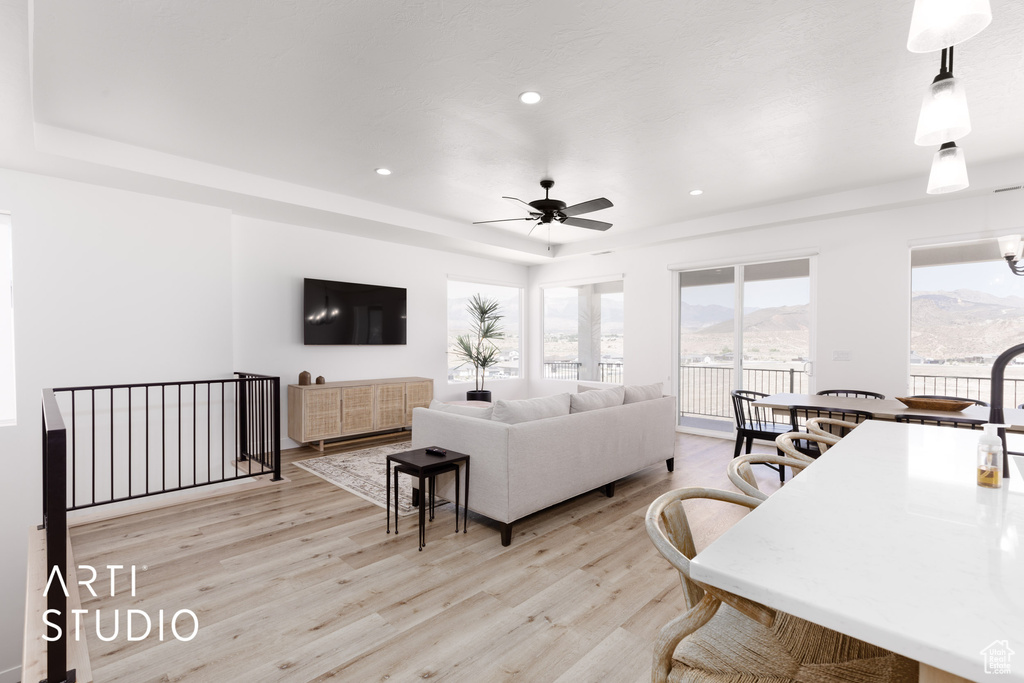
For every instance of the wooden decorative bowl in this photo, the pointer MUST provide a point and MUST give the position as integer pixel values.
(942, 404)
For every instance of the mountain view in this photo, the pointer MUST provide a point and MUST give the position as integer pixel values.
(776, 334)
(961, 326)
(964, 326)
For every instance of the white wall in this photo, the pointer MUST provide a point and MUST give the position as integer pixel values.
(110, 286)
(8, 398)
(862, 289)
(270, 262)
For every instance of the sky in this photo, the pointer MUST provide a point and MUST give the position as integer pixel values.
(759, 294)
(993, 277)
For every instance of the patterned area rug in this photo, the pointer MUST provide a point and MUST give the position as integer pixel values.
(362, 473)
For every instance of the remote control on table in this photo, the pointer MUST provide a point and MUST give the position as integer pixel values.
(434, 450)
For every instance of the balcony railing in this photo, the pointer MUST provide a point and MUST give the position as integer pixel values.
(706, 390)
(977, 388)
(607, 372)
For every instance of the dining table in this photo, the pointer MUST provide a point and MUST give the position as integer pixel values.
(888, 538)
(883, 409)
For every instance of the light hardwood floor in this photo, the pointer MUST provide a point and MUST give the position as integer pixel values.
(299, 582)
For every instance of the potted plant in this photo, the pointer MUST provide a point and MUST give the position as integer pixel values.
(477, 347)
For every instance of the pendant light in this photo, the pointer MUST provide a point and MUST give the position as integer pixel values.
(937, 24)
(944, 116)
(949, 170)
(1012, 249)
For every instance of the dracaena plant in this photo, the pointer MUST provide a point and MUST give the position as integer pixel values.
(477, 347)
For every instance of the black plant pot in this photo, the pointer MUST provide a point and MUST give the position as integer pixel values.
(479, 395)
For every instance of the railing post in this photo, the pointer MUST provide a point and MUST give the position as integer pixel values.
(792, 377)
(276, 411)
(55, 522)
(243, 419)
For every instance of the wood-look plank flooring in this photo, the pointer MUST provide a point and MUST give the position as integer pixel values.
(299, 582)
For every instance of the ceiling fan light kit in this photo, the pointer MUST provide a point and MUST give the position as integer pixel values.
(548, 211)
(940, 25)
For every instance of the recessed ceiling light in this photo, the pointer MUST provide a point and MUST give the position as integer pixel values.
(696, 193)
(529, 97)
(383, 171)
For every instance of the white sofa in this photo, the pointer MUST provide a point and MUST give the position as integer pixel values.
(520, 465)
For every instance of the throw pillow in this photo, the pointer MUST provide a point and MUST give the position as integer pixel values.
(514, 412)
(469, 411)
(642, 392)
(595, 400)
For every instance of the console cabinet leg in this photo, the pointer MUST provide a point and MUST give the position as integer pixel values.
(506, 533)
(671, 464)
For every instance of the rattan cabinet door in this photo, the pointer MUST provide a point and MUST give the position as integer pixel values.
(357, 409)
(321, 414)
(417, 395)
(390, 406)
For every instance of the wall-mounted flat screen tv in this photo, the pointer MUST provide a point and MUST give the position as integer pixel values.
(352, 313)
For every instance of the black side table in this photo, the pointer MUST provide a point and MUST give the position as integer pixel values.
(419, 463)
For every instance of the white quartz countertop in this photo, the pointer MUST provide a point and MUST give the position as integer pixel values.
(888, 538)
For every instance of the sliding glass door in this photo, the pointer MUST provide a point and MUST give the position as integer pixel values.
(741, 327)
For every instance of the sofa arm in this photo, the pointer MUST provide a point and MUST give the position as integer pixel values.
(486, 443)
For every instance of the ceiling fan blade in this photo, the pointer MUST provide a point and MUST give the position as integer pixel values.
(505, 220)
(527, 206)
(587, 207)
(587, 223)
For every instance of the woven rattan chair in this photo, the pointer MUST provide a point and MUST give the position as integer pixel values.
(724, 638)
(834, 418)
(742, 477)
(941, 421)
(787, 444)
(855, 393)
(825, 426)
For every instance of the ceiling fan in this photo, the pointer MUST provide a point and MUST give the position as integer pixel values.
(549, 210)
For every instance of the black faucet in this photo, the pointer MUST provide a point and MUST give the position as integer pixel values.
(995, 413)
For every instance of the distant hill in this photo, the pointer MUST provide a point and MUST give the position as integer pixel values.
(695, 317)
(776, 319)
(964, 324)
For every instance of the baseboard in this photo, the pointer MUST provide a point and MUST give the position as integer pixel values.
(11, 675)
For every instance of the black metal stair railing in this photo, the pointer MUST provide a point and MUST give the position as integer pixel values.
(130, 441)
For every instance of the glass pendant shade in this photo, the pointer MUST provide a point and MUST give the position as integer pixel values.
(1011, 246)
(944, 116)
(940, 23)
(949, 170)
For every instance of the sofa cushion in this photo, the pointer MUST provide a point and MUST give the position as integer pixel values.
(642, 392)
(589, 387)
(484, 413)
(525, 410)
(596, 399)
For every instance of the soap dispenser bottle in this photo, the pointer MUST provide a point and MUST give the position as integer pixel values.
(990, 457)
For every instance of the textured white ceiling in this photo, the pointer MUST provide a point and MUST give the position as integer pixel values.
(753, 102)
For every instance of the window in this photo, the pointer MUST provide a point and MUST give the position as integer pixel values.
(510, 307)
(8, 397)
(741, 327)
(583, 332)
(966, 308)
